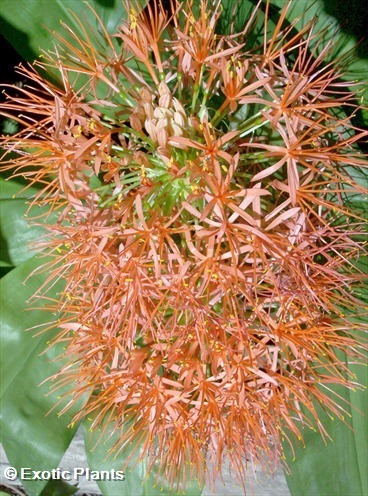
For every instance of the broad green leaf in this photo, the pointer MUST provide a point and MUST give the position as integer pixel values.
(234, 17)
(29, 25)
(111, 13)
(36, 26)
(56, 487)
(138, 481)
(359, 412)
(10, 189)
(339, 466)
(32, 435)
(17, 230)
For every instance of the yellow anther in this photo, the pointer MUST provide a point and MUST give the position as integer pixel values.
(78, 133)
(92, 125)
(133, 22)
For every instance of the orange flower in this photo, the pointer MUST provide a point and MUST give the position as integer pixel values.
(202, 231)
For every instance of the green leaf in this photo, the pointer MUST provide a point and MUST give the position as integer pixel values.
(234, 17)
(111, 13)
(58, 488)
(32, 435)
(29, 25)
(138, 481)
(17, 231)
(37, 26)
(336, 467)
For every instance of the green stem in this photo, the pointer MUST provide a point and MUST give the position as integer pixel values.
(221, 113)
(251, 124)
(197, 87)
(203, 108)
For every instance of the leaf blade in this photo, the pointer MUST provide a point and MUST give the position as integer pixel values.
(30, 437)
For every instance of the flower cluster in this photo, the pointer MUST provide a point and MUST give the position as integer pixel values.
(203, 226)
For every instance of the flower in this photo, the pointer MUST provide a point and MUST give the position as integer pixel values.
(203, 231)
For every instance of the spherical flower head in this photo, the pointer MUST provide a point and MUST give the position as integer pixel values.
(203, 231)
